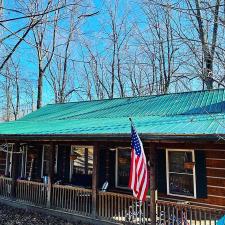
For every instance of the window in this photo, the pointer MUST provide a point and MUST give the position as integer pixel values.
(81, 159)
(181, 173)
(2, 163)
(23, 149)
(46, 155)
(45, 160)
(56, 159)
(6, 159)
(8, 168)
(122, 167)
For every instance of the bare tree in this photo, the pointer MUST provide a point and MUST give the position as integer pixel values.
(34, 20)
(44, 47)
(11, 91)
(159, 51)
(119, 36)
(1, 8)
(208, 46)
(200, 28)
(105, 71)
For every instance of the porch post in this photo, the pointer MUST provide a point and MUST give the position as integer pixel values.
(50, 174)
(95, 180)
(14, 168)
(152, 149)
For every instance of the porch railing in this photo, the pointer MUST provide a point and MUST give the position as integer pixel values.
(110, 206)
(123, 208)
(184, 213)
(31, 192)
(5, 186)
(72, 199)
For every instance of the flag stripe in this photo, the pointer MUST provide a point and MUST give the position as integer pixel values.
(138, 181)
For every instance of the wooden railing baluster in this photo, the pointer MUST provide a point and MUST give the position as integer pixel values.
(111, 206)
(183, 213)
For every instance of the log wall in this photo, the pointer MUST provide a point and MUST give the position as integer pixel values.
(215, 172)
(215, 169)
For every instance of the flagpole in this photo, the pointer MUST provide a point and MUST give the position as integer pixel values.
(152, 179)
(139, 184)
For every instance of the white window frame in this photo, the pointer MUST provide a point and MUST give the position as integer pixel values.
(24, 161)
(116, 168)
(71, 152)
(167, 171)
(56, 158)
(8, 164)
(42, 160)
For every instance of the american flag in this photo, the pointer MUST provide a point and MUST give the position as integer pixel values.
(138, 181)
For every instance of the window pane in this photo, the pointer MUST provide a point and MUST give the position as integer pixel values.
(177, 160)
(9, 160)
(123, 167)
(181, 184)
(90, 160)
(83, 160)
(46, 159)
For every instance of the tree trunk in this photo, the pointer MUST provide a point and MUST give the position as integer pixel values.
(208, 76)
(40, 89)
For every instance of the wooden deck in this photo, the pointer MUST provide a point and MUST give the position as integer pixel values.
(111, 207)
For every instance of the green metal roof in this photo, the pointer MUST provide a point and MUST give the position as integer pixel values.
(189, 113)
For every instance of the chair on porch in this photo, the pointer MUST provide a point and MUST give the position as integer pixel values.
(105, 186)
(102, 189)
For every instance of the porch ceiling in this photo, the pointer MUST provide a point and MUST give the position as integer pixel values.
(190, 113)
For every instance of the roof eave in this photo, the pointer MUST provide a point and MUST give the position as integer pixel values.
(98, 137)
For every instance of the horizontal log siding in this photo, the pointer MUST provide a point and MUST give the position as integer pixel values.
(215, 164)
(215, 170)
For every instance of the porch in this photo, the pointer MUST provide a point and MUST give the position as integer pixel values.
(110, 206)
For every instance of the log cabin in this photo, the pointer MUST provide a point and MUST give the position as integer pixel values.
(60, 156)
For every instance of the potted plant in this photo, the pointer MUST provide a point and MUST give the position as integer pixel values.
(189, 165)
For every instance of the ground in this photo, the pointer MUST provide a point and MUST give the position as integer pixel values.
(14, 216)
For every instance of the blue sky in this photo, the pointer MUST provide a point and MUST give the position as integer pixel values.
(26, 54)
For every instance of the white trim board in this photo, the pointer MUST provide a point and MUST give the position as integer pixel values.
(167, 171)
